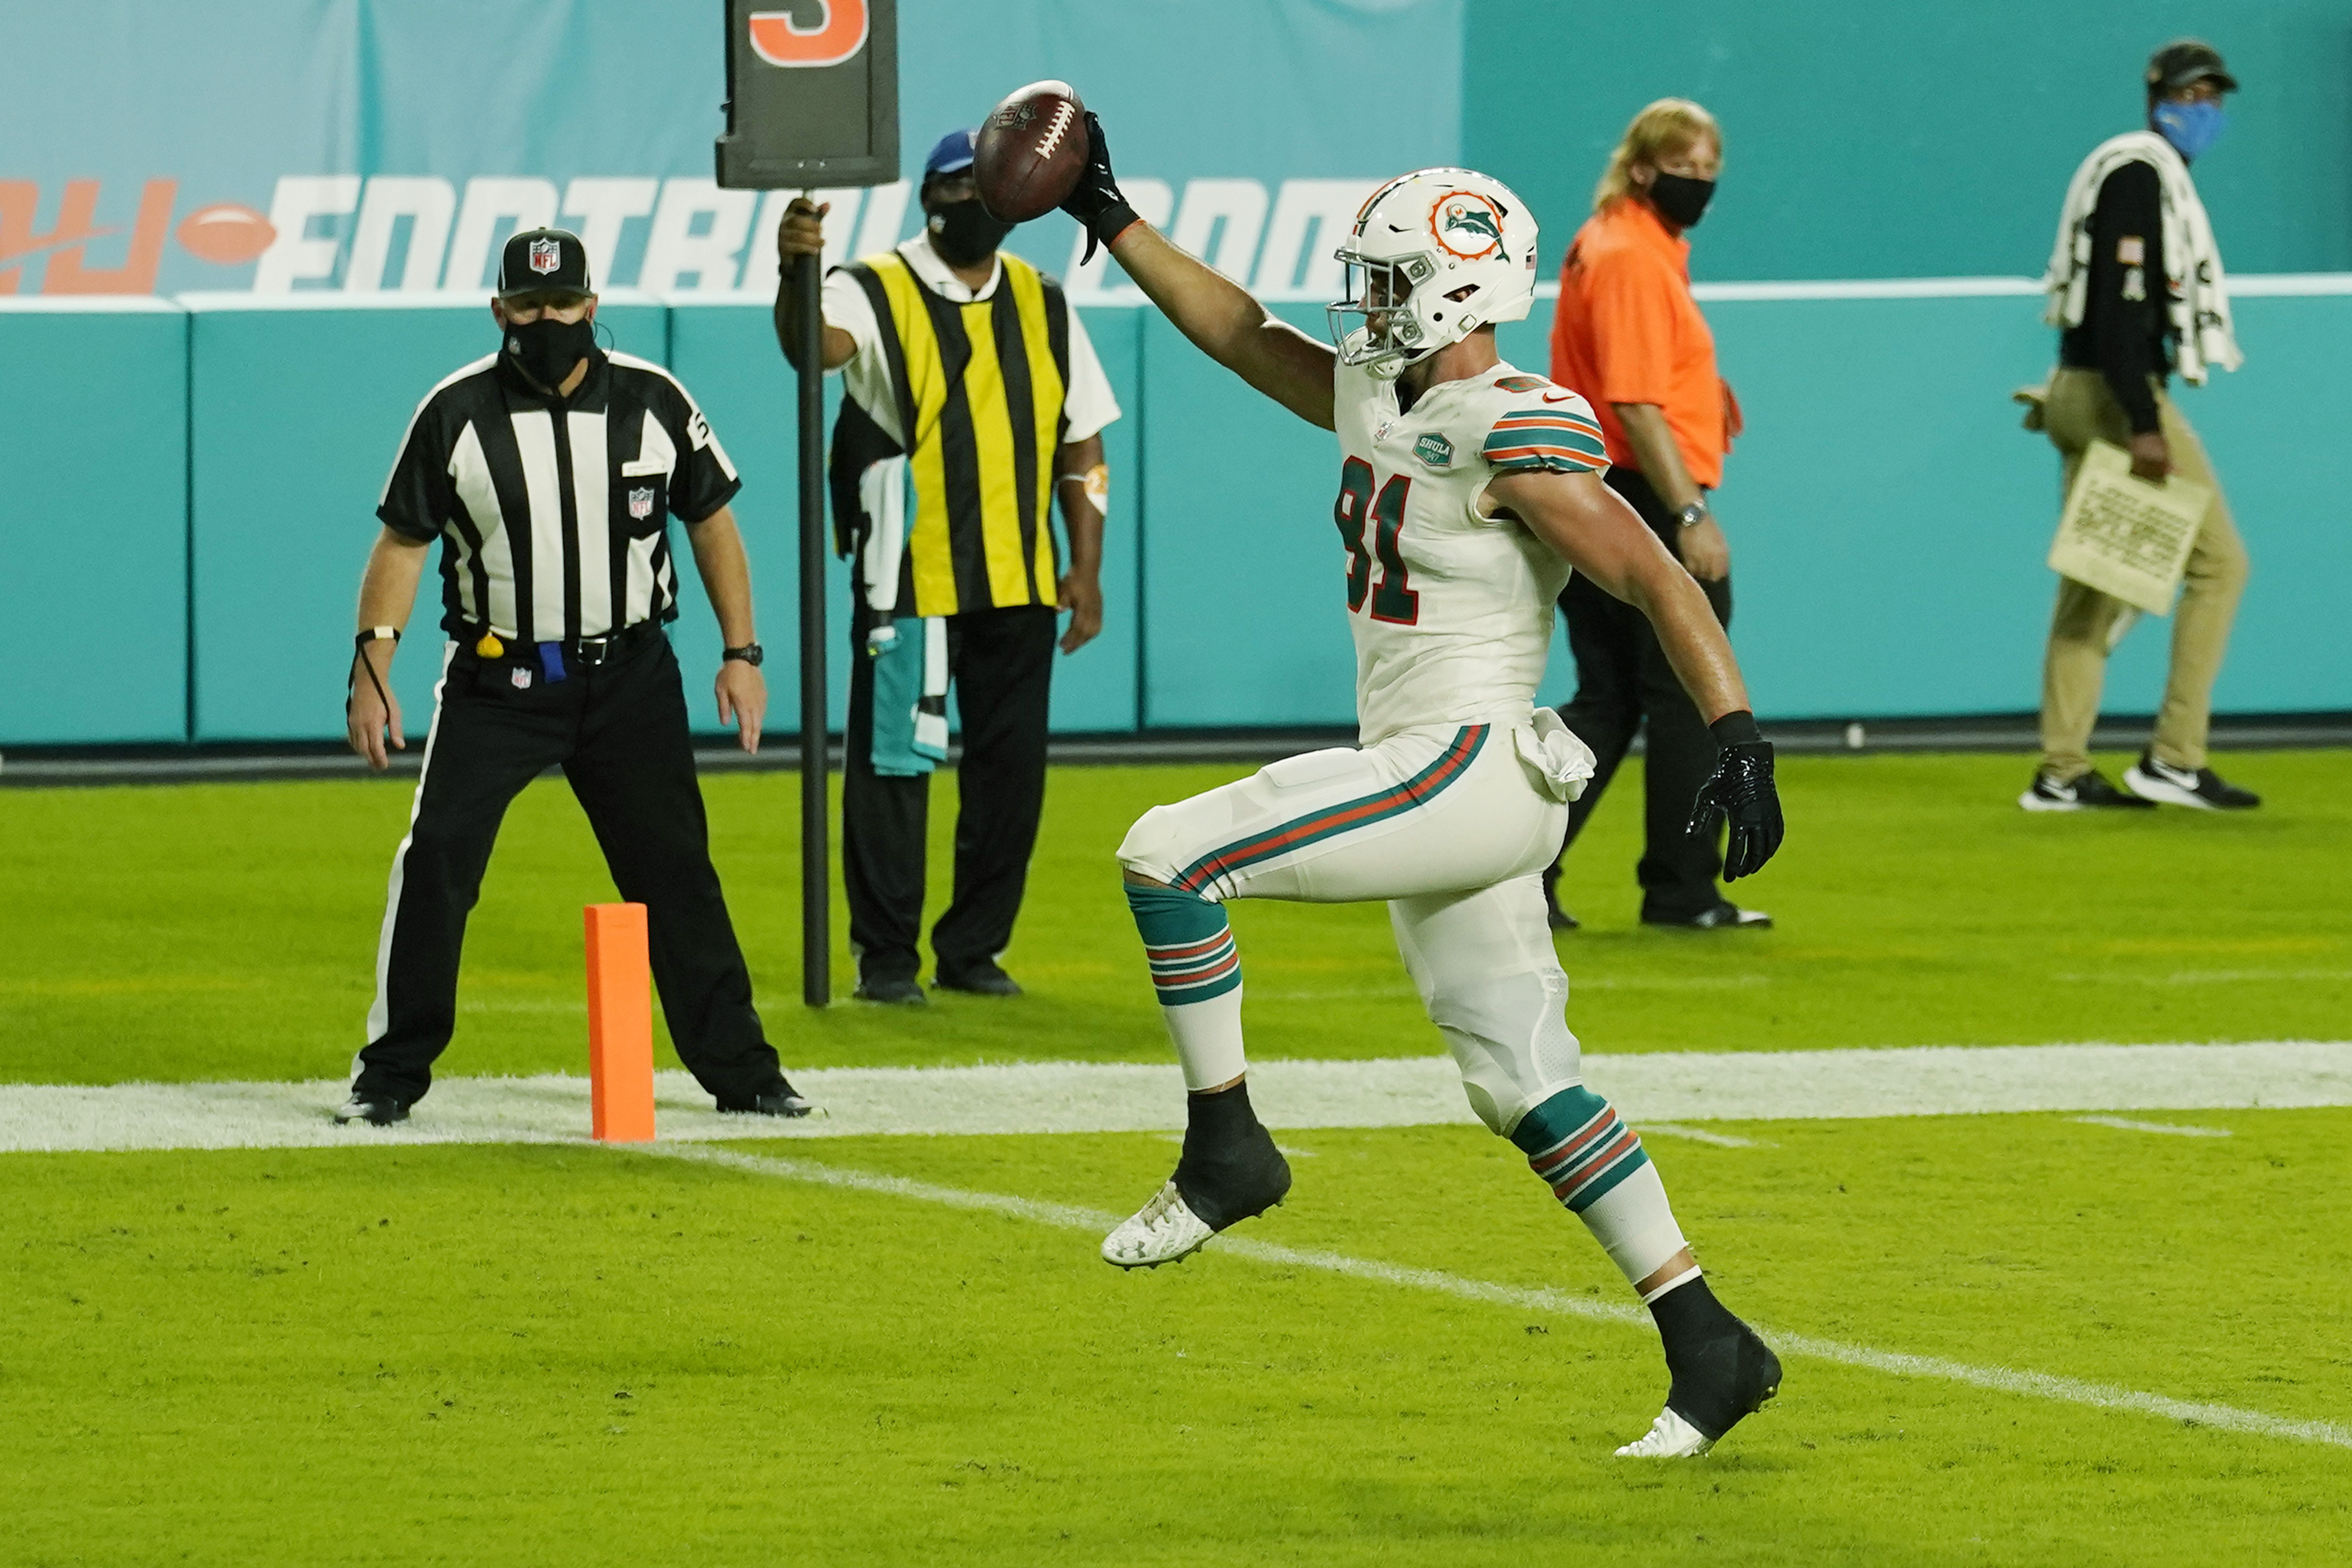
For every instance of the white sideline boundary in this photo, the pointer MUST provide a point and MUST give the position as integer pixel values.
(1669, 1088)
(1998, 1379)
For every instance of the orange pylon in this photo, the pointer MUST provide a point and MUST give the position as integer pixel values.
(620, 1026)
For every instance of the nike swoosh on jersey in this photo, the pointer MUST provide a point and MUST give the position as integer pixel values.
(1561, 398)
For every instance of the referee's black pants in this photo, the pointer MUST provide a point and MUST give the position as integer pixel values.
(619, 731)
(1001, 666)
(1622, 678)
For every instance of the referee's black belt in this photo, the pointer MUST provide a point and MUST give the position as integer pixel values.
(570, 653)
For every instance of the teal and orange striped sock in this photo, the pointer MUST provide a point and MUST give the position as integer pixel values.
(1197, 974)
(1595, 1164)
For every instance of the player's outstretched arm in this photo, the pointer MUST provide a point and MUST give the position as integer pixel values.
(1593, 529)
(1219, 315)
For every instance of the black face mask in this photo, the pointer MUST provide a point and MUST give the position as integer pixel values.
(546, 349)
(963, 234)
(1681, 198)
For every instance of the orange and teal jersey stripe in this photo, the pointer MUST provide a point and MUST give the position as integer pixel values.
(1556, 439)
(1347, 817)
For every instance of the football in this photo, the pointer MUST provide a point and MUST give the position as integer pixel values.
(1031, 150)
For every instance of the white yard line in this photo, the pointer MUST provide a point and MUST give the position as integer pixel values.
(2000, 1379)
(2127, 1124)
(1136, 1097)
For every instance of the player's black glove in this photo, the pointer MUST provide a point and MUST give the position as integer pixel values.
(1097, 204)
(1740, 791)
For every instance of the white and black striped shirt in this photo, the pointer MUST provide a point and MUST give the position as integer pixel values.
(553, 512)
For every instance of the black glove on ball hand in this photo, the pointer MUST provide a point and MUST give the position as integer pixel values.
(1740, 791)
(1097, 204)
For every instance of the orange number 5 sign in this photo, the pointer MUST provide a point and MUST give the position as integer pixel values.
(839, 33)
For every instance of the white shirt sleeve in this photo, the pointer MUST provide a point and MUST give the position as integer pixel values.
(866, 377)
(1088, 401)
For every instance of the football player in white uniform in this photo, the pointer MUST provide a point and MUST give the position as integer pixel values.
(1467, 491)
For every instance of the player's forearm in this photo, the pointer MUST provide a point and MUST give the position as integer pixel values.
(1655, 453)
(726, 573)
(1692, 637)
(1225, 323)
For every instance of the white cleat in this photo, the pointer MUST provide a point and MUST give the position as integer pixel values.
(1669, 1437)
(1161, 1232)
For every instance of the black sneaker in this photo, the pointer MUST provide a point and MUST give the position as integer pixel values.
(1725, 915)
(2204, 790)
(899, 991)
(376, 1110)
(2089, 791)
(780, 1101)
(1556, 918)
(982, 979)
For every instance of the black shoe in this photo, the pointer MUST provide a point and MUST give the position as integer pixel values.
(1559, 919)
(1229, 1170)
(982, 979)
(376, 1110)
(2205, 790)
(898, 991)
(1725, 915)
(780, 1101)
(2089, 791)
(1722, 1371)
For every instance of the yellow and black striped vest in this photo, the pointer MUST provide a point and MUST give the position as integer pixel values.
(979, 390)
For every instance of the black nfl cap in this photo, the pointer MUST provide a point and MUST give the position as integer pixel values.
(2186, 61)
(538, 259)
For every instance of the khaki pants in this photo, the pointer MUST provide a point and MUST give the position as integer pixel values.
(2080, 408)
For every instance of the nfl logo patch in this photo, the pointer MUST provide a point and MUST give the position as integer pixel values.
(546, 254)
(641, 503)
(521, 676)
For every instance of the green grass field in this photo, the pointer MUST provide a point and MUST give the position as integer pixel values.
(501, 1355)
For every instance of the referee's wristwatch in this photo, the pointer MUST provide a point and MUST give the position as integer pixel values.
(1694, 514)
(751, 654)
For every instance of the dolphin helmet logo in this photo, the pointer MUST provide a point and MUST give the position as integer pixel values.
(1468, 225)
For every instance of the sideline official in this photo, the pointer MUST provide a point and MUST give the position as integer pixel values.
(974, 399)
(2136, 291)
(548, 472)
(1629, 336)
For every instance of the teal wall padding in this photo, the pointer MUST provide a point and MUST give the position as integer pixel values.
(93, 522)
(296, 415)
(1888, 518)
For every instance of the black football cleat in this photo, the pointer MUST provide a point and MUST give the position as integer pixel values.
(1723, 1373)
(983, 979)
(1230, 1171)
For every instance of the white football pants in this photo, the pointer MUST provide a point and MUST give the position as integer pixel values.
(1451, 827)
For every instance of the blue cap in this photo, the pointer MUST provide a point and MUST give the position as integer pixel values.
(952, 156)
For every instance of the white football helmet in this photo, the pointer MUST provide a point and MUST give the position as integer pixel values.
(1435, 255)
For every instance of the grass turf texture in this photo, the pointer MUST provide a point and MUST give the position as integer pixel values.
(327, 1355)
(230, 931)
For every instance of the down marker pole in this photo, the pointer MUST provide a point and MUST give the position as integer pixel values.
(816, 895)
(620, 1026)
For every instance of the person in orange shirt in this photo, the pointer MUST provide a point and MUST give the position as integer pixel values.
(1628, 335)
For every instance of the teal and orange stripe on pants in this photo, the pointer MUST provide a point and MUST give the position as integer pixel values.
(1316, 826)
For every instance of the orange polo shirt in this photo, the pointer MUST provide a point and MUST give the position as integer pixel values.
(1627, 330)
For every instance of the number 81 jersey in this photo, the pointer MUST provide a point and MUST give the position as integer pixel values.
(1451, 605)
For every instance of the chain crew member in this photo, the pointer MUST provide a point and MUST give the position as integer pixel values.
(2137, 292)
(549, 471)
(974, 399)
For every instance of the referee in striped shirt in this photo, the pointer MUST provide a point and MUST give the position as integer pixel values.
(549, 471)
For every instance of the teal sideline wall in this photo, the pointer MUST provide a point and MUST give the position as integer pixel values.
(1925, 139)
(94, 526)
(1889, 517)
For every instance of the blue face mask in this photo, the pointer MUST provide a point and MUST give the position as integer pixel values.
(2191, 127)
